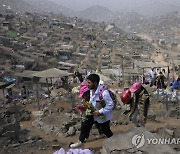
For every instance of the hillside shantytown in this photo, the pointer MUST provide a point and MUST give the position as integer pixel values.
(46, 56)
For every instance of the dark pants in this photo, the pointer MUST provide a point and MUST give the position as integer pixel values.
(105, 128)
(153, 82)
(86, 128)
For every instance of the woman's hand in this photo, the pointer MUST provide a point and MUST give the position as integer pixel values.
(96, 113)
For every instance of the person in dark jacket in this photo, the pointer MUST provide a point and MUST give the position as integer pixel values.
(160, 81)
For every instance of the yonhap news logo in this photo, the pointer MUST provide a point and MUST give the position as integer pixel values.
(139, 141)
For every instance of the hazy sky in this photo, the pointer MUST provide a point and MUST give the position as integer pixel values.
(111, 4)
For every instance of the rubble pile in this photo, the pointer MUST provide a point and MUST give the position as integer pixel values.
(15, 139)
(59, 122)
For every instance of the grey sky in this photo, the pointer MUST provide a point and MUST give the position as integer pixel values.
(111, 4)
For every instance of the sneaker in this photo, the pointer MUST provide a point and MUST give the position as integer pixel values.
(75, 145)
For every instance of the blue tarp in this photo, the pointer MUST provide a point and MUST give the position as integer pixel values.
(9, 79)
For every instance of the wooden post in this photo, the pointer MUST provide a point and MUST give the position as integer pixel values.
(48, 87)
(133, 75)
(119, 76)
(173, 67)
(123, 72)
(36, 81)
(51, 82)
(143, 76)
(168, 79)
(4, 97)
(37, 96)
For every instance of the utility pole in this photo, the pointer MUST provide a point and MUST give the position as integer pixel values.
(122, 66)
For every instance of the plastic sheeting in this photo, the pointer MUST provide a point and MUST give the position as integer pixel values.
(73, 151)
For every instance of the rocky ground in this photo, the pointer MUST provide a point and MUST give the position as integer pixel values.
(56, 125)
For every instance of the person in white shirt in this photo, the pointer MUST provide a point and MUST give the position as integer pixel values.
(106, 110)
(152, 74)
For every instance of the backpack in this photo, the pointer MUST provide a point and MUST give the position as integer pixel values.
(112, 95)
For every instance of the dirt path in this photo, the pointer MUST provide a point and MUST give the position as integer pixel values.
(92, 143)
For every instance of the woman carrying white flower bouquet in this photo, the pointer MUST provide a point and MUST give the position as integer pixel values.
(88, 120)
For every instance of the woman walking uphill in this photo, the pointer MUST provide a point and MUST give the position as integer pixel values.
(87, 124)
(139, 103)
